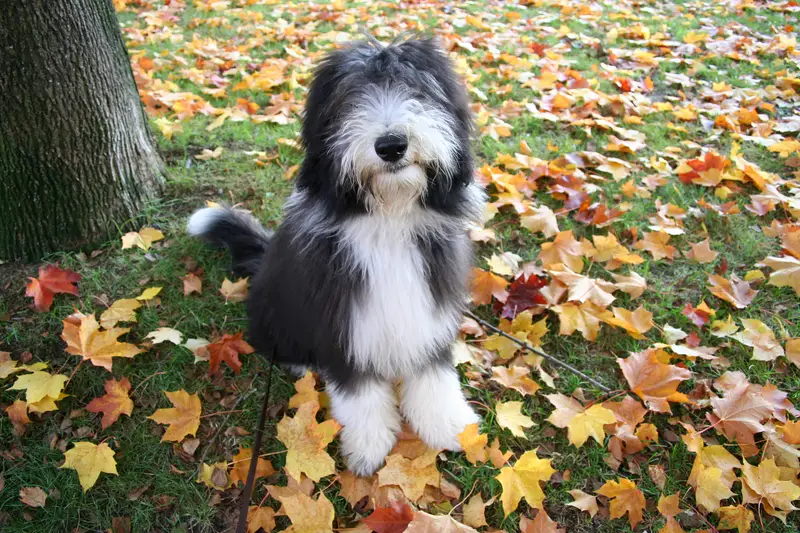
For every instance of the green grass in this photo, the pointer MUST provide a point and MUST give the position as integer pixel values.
(173, 500)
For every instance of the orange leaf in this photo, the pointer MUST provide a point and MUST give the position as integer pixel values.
(227, 350)
(394, 519)
(655, 242)
(241, 466)
(115, 402)
(654, 381)
(735, 291)
(84, 338)
(702, 252)
(625, 498)
(411, 475)
(183, 419)
(474, 444)
(541, 524)
(234, 292)
(484, 285)
(585, 317)
(564, 249)
(18, 414)
(636, 323)
(192, 283)
(51, 281)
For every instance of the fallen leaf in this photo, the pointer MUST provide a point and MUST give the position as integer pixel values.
(306, 441)
(114, 403)
(735, 291)
(763, 484)
(636, 323)
(306, 391)
(653, 381)
(761, 338)
(580, 423)
(515, 377)
(227, 350)
(51, 281)
(564, 249)
(474, 511)
(307, 515)
(394, 519)
(32, 496)
(583, 501)
(411, 475)
(474, 444)
(149, 293)
(634, 285)
(39, 385)
(484, 285)
(541, 524)
(234, 291)
(183, 419)
(510, 417)
(84, 338)
(89, 460)
(165, 334)
(18, 414)
(625, 498)
(120, 311)
(426, 523)
(711, 489)
(585, 318)
(701, 252)
(260, 518)
(786, 272)
(241, 466)
(655, 242)
(143, 239)
(541, 219)
(524, 480)
(736, 517)
(192, 283)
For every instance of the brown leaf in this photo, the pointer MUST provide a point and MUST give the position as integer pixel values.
(227, 350)
(541, 524)
(241, 466)
(234, 292)
(735, 291)
(426, 523)
(18, 414)
(32, 496)
(192, 283)
(114, 403)
(654, 381)
(701, 252)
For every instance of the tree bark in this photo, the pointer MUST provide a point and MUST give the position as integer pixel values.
(77, 158)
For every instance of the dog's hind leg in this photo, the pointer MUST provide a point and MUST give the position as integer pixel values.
(434, 405)
(368, 413)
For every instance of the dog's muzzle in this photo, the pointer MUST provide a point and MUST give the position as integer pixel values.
(391, 147)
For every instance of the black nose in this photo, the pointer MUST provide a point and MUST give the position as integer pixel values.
(391, 147)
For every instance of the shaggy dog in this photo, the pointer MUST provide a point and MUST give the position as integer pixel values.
(365, 280)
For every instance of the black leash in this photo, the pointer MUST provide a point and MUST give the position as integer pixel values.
(241, 525)
(538, 352)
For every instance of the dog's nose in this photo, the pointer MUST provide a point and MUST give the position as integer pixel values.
(391, 147)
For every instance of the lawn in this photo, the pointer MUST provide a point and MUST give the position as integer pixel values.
(641, 162)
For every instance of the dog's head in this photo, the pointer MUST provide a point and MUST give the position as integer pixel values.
(389, 124)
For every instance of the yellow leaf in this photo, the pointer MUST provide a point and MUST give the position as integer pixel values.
(764, 484)
(724, 328)
(634, 285)
(143, 239)
(183, 419)
(711, 489)
(583, 501)
(234, 291)
(524, 480)
(761, 338)
(306, 441)
(585, 317)
(149, 293)
(474, 444)
(635, 323)
(541, 219)
(260, 518)
(510, 417)
(736, 517)
(580, 423)
(38, 385)
(786, 272)
(515, 377)
(46, 404)
(84, 338)
(306, 391)
(214, 476)
(120, 311)
(625, 498)
(411, 475)
(89, 460)
(307, 515)
(474, 511)
(564, 249)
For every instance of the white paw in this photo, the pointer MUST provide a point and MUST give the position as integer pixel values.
(364, 455)
(441, 428)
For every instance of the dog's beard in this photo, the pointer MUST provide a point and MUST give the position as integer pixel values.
(395, 192)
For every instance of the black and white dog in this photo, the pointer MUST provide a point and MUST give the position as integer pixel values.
(365, 280)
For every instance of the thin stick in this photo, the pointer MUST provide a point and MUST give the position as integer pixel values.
(530, 348)
(224, 423)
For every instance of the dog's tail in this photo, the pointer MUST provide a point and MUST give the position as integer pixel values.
(244, 236)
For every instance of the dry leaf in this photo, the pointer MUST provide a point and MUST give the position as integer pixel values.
(583, 501)
(580, 423)
(426, 523)
(183, 419)
(411, 475)
(84, 338)
(701, 252)
(114, 403)
(51, 281)
(735, 291)
(484, 285)
(564, 249)
(234, 292)
(89, 460)
(227, 350)
(306, 441)
(32, 496)
(510, 417)
(165, 334)
(541, 524)
(523, 480)
(307, 514)
(474, 444)
(39, 385)
(241, 465)
(625, 498)
(474, 511)
(260, 518)
(143, 239)
(120, 311)
(653, 381)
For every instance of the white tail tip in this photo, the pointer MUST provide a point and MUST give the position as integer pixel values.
(203, 219)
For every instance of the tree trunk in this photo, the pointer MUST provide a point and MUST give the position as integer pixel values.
(77, 157)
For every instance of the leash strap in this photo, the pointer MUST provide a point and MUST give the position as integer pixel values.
(241, 525)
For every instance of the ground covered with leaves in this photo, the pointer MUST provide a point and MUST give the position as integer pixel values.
(641, 160)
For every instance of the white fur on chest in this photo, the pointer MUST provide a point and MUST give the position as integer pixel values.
(396, 326)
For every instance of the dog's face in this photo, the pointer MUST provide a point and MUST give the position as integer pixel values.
(389, 122)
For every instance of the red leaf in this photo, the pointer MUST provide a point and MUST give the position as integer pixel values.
(698, 317)
(523, 294)
(394, 519)
(51, 281)
(227, 350)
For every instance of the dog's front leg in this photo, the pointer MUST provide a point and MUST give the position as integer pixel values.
(367, 411)
(434, 405)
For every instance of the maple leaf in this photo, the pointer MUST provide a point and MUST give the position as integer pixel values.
(234, 292)
(474, 511)
(739, 414)
(39, 385)
(143, 239)
(165, 334)
(735, 291)
(89, 460)
(427, 523)
(625, 498)
(505, 264)
(306, 391)
(411, 475)
(711, 489)
(120, 311)
(259, 518)
(524, 480)
(635, 323)
(654, 381)
(51, 281)
(114, 403)
(786, 272)
(484, 285)
(496, 456)
(524, 293)
(583, 288)
(701, 252)
(541, 219)
(510, 417)
(18, 414)
(306, 441)
(736, 517)
(227, 350)
(307, 514)
(564, 249)
(655, 242)
(32, 496)
(515, 377)
(757, 335)
(474, 444)
(149, 293)
(583, 501)
(241, 466)
(192, 283)
(84, 338)
(581, 423)
(634, 285)
(585, 318)
(183, 419)
(394, 519)
(699, 315)
(541, 524)
(764, 484)
(716, 456)
(214, 476)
